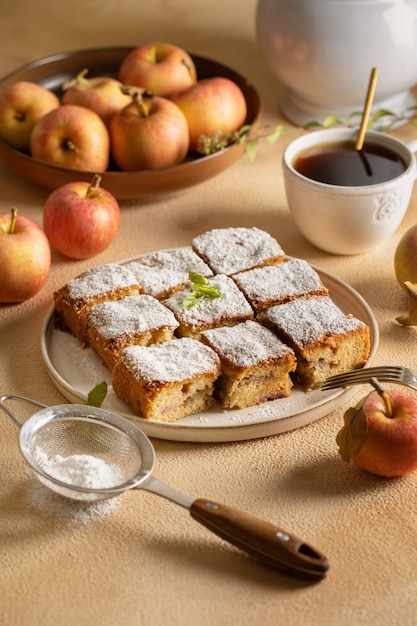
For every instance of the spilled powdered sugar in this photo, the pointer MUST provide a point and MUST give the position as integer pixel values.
(70, 512)
(79, 470)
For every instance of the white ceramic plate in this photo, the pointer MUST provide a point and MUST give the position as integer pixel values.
(75, 371)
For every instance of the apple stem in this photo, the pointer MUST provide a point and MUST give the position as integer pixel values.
(80, 78)
(93, 186)
(190, 70)
(387, 400)
(13, 221)
(138, 94)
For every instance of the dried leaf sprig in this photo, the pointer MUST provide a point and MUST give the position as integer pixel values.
(219, 141)
(383, 120)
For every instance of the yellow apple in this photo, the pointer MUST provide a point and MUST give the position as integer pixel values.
(150, 133)
(101, 94)
(25, 258)
(212, 105)
(22, 104)
(72, 137)
(160, 68)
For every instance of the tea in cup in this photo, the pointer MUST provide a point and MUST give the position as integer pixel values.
(343, 200)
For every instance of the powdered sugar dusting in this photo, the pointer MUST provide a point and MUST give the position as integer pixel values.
(173, 361)
(130, 315)
(232, 304)
(246, 344)
(231, 250)
(276, 283)
(164, 271)
(307, 320)
(80, 470)
(99, 280)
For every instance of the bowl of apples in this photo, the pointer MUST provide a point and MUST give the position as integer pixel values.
(152, 120)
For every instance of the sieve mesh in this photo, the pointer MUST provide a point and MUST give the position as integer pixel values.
(83, 436)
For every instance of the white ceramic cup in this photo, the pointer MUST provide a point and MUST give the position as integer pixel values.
(348, 220)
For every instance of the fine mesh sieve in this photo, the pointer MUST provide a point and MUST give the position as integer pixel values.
(79, 430)
(71, 429)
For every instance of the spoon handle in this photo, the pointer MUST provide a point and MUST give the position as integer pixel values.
(264, 541)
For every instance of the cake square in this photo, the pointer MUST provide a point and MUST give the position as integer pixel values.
(168, 381)
(256, 365)
(133, 320)
(161, 273)
(276, 284)
(325, 340)
(231, 307)
(74, 301)
(231, 250)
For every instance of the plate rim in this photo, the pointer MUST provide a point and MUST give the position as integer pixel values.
(199, 433)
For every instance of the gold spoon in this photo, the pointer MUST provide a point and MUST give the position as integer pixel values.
(368, 104)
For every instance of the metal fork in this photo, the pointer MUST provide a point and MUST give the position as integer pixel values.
(389, 373)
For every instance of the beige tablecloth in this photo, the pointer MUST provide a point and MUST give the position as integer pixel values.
(141, 560)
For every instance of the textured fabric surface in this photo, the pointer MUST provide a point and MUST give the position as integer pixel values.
(141, 560)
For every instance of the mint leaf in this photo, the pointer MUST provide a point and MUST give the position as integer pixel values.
(97, 395)
(201, 288)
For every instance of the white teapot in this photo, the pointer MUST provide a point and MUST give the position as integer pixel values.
(323, 51)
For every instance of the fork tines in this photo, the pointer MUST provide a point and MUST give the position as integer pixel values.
(382, 373)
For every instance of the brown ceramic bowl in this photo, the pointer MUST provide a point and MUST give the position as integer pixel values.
(53, 71)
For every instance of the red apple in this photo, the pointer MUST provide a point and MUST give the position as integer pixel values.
(72, 137)
(380, 433)
(25, 258)
(212, 105)
(150, 133)
(160, 68)
(101, 94)
(22, 104)
(81, 219)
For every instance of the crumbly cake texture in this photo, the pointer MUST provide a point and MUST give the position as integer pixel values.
(325, 340)
(162, 273)
(74, 301)
(232, 250)
(168, 381)
(276, 284)
(133, 320)
(229, 309)
(255, 363)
